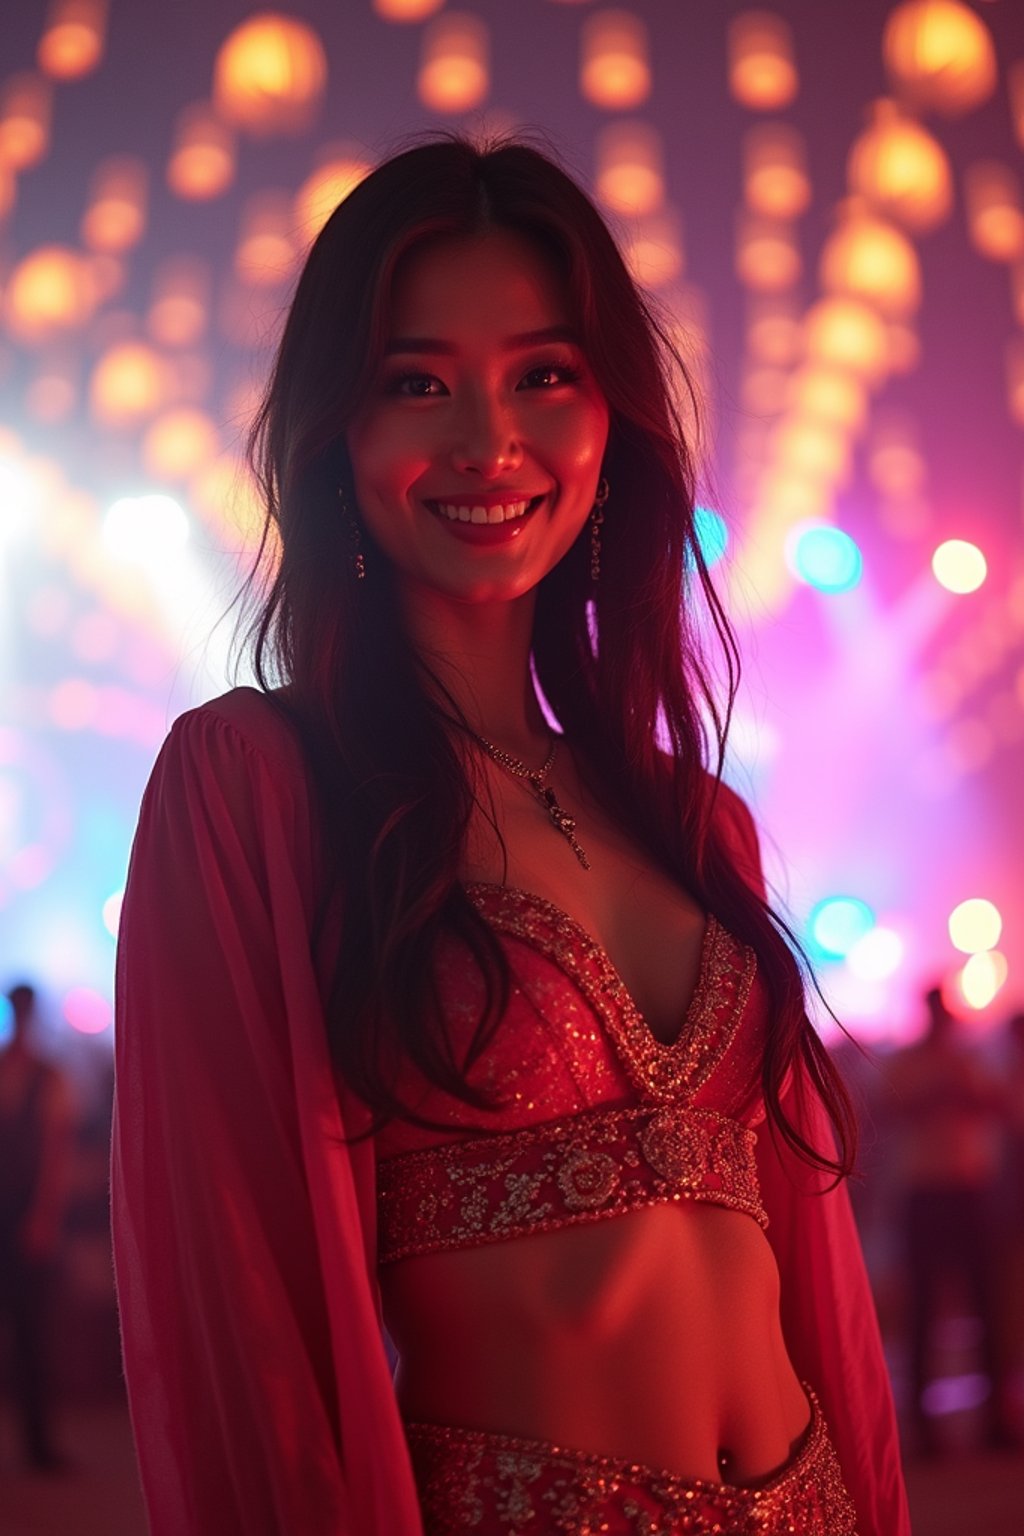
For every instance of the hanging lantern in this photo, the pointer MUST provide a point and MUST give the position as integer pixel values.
(630, 177)
(767, 255)
(453, 73)
(869, 259)
(901, 169)
(995, 221)
(179, 443)
(406, 10)
(127, 384)
(846, 334)
(773, 329)
(179, 311)
(615, 72)
(26, 105)
(654, 253)
(822, 394)
(341, 169)
(269, 75)
(762, 70)
(116, 216)
(775, 180)
(266, 252)
(73, 38)
(50, 291)
(939, 55)
(202, 163)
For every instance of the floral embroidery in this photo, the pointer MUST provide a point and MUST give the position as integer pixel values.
(586, 1179)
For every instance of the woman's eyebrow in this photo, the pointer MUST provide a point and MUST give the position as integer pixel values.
(435, 345)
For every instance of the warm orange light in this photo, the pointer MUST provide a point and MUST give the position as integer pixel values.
(901, 169)
(824, 395)
(116, 216)
(127, 384)
(615, 71)
(773, 330)
(812, 450)
(50, 291)
(342, 168)
(995, 221)
(26, 105)
(202, 163)
(406, 10)
(269, 75)
(266, 250)
(73, 38)
(763, 389)
(453, 73)
(870, 259)
(939, 54)
(654, 252)
(630, 177)
(775, 180)
(179, 312)
(762, 70)
(848, 335)
(179, 443)
(767, 255)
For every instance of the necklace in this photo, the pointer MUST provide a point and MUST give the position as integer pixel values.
(535, 777)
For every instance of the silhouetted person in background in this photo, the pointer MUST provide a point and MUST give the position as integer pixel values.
(951, 1112)
(36, 1148)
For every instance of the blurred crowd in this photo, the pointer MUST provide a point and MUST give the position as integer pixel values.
(939, 1201)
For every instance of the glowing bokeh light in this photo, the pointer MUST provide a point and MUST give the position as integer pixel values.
(269, 75)
(959, 566)
(406, 10)
(837, 923)
(975, 925)
(72, 42)
(50, 290)
(86, 1011)
(334, 178)
(115, 218)
(202, 162)
(26, 106)
(614, 68)
(901, 169)
(995, 219)
(762, 72)
(982, 978)
(940, 54)
(20, 496)
(775, 179)
(146, 529)
(877, 955)
(712, 534)
(630, 175)
(454, 73)
(867, 258)
(824, 557)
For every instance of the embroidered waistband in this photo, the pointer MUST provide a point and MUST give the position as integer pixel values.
(588, 1166)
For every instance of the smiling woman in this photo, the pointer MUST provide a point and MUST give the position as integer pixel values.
(455, 1030)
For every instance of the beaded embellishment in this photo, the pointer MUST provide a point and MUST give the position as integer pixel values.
(582, 1168)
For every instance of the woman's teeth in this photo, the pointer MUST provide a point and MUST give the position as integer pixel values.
(481, 514)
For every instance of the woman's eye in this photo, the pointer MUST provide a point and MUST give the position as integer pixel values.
(417, 386)
(553, 373)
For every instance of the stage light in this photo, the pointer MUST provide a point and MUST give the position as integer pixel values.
(995, 221)
(824, 557)
(939, 53)
(614, 69)
(837, 923)
(128, 384)
(269, 75)
(767, 254)
(775, 180)
(87, 1012)
(454, 71)
(26, 105)
(341, 171)
(901, 169)
(73, 38)
(975, 925)
(630, 175)
(877, 955)
(866, 258)
(959, 566)
(712, 534)
(50, 291)
(983, 978)
(202, 162)
(846, 334)
(762, 71)
(145, 529)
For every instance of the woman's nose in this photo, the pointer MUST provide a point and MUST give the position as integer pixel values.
(486, 438)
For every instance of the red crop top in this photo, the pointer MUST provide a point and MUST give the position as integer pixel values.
(601, 1117)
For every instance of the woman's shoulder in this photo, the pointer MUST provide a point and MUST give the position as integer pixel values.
(239, 723)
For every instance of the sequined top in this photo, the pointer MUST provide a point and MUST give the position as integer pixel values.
(599, 1117)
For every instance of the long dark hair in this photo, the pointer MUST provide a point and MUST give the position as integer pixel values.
(622, 668)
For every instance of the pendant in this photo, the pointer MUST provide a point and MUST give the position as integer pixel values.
(565, 823)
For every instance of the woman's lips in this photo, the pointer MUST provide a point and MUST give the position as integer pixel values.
(486, 533)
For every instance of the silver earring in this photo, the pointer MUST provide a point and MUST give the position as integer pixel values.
(358, 558)
(596, 519)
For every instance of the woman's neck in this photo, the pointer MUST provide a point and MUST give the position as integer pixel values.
(480, 652)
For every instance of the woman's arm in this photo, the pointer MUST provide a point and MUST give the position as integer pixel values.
(260, 1395)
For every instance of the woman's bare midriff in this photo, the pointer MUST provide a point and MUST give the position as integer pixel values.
(652, 1336)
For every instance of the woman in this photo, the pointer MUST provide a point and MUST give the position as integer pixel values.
(437, 1020)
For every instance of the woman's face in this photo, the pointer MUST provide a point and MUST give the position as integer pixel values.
(478, 450)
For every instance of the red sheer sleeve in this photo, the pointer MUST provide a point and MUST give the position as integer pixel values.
(828, 1312)
(260, 1394)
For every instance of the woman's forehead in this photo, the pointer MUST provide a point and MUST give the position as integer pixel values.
(497, 277)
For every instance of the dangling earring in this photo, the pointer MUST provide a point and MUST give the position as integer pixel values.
(358, 558)
(596, 519)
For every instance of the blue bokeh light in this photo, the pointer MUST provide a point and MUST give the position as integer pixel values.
(712, 534)
(825, 558)
(837, 923)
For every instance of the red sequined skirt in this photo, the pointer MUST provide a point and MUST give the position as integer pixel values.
(497, 1485)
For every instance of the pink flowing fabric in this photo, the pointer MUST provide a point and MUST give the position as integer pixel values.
(245, 1228)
